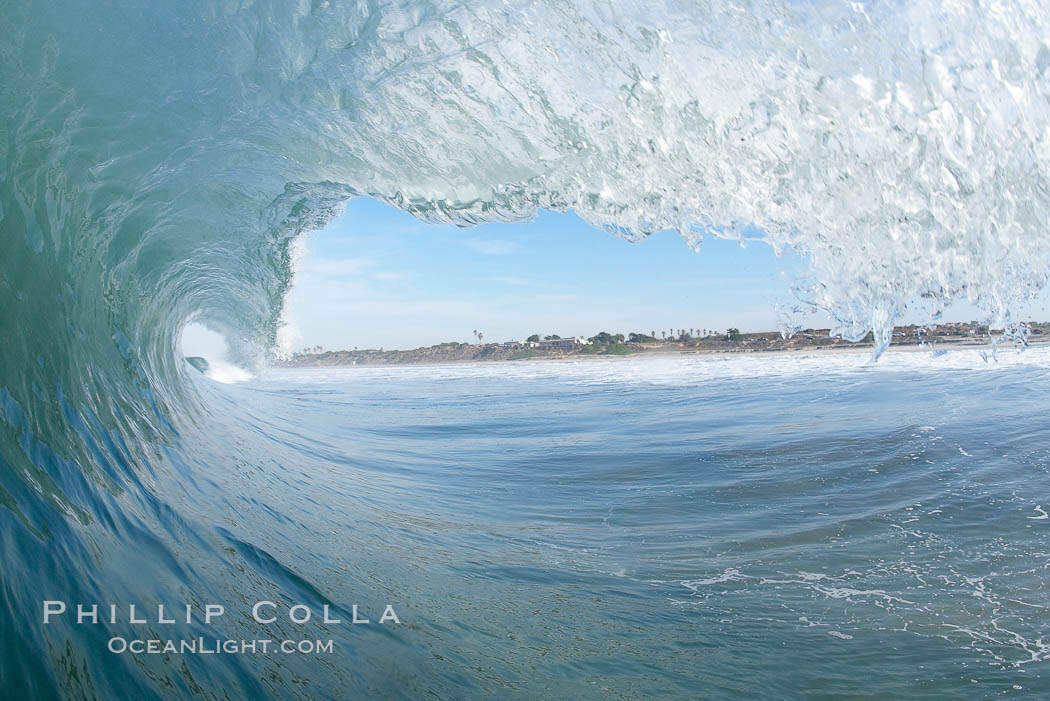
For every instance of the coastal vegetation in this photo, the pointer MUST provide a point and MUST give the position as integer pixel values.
(684, 341)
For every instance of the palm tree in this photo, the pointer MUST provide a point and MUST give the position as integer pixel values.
(480, 336)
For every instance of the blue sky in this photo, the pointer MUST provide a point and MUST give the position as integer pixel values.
(377, 277)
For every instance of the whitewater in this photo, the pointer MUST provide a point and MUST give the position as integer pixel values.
(622, 529)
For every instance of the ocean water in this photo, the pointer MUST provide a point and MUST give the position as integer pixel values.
(695, 528)
(718, 527)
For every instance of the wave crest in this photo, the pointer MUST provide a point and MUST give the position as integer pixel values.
(905, 149)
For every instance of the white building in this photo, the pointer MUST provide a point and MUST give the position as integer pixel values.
(568, 344)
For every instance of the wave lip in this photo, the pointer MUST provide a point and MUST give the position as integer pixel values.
(903, 149)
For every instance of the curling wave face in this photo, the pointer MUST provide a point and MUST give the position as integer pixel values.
(176, 150)
(157, 160)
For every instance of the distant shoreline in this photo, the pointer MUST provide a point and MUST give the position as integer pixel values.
(945, 337)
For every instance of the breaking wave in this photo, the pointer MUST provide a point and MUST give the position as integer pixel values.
(158, 160)
(158, 163)
(156, 166)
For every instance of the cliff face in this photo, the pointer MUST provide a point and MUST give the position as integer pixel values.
(807, 339)
(464, 352)
(444, 353)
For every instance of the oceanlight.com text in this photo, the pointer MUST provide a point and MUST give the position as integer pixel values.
(215, 646)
